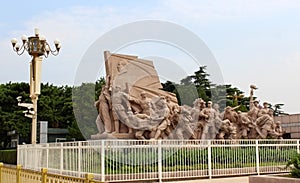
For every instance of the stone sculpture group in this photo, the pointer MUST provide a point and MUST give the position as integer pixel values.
(132, 105)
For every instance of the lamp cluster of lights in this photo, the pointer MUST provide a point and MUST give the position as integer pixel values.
(35, 45)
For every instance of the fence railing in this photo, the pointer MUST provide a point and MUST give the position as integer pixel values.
(16, 174)
(131, 160)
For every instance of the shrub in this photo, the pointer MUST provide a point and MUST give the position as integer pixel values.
(8, 156)
(294, 165)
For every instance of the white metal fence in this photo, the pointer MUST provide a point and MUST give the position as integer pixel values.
(131, 160)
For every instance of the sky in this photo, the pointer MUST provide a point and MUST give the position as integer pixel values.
(253, 42)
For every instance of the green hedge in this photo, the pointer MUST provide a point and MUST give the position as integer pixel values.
(294, 165)
(8, 156)
(145, 160)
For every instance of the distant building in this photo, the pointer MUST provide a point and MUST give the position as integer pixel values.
(290, 125)
(52, 134)
(14, 136)
(47, 135)
(57, 134)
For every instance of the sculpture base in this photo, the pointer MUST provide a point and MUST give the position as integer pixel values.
(112, 136)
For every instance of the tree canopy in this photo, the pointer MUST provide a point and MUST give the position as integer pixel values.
(198, 85)
(55, 105)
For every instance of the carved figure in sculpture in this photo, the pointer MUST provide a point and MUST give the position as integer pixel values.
(254, 105)
(202, 104)
(278, 129)
(145, 104)
(216, 107)
(264, 111)
(162, 114)
(174, 109)
(199, 104)
(266, 126)
(244, 125)
(121, 65)
(227, 130)
(100, 125)
(265, 120)
(104, 106)
(230, 114)
(219, 117)
(209, 129)
(141, 122)
(120, 107)
(195, 111)
(184, 119)
(198, 118)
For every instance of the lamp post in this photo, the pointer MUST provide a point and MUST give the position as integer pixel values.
(37, 47)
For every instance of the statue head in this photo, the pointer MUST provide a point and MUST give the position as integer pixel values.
(253, 87)
(199, 102)
(216, 106)
(256, 103)
(160, 101)
(143, 94)
(120, 65)
(228, 108)
(266, 104)
(209, 104)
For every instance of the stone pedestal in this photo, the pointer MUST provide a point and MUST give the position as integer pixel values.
(112, 136)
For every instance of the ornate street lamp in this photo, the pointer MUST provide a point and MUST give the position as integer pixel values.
(37, 47)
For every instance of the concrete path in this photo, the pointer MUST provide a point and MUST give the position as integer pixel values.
(243, 179)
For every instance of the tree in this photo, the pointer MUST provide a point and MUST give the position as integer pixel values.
(235, 97)
(11, 117)
(169, 86)
(85, 112)
(187, 81)
(199, 83)
(191, 87)
(277, 109)
(200, 79)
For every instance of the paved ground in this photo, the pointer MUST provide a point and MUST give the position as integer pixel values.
(243, 179)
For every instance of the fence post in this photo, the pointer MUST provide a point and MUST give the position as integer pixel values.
(102, 160)
(25, 157)
(19, 168)
(44, 175)
(47, 155)
(61, 158)
(79, 159)
(209, 159)
(257, 156)
(36, 158)
(159, 161)
(298, 151)
(18, 154)
(89, 178)
(1, 166)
